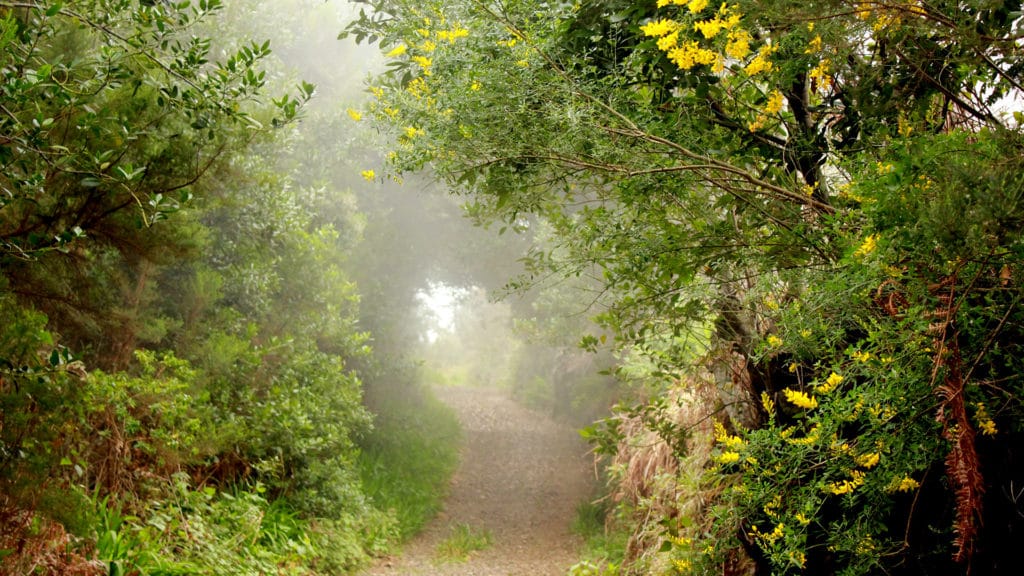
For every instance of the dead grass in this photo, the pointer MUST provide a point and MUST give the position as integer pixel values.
(661, 483)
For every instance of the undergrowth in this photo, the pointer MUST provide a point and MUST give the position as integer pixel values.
(411, 453)
(604, 544)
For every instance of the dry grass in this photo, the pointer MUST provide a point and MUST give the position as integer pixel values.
(661, 483)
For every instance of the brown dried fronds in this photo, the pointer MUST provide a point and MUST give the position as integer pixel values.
(962, 463)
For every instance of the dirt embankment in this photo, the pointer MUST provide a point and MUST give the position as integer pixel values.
(521, 477)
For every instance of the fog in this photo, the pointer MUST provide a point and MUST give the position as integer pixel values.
(432, 285)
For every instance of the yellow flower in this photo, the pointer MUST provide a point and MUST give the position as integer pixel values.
(452, 35)
(774, 341)
(668, 42)
(861, 356)
(905, 484)
(690, 54)
(868, 461)
(867, 247)
(800, 399)
(354, 114)
(696, 6)
(798, 558)
(423, 61)
(760, 63)
(814, 45)
(768, 403)
(830, 384)
(397, 51)
(412, 132)
(729, 457)
(709, 28)
(418, 88)
(719, 64)
(819, 75)
(738, 45)
(774, 104)
(474, 86)
(428, 46)
(846, 486)
(368, 175)
(985, 422)
(660, 28)
(802, 519)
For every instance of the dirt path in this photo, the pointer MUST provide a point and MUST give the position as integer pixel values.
(521, 477)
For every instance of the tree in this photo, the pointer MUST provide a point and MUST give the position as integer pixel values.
(793, 174)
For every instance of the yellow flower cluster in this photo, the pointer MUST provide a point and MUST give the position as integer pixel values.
(691, 54)
(819, 75)
(728, 457)
(728, 440)
(868, 461)
(397, 51)
(738, 44)
(424, 62)
(687, 55)
(711, 28)
(770, 537)
(354, 114)
(830, 384)
(905, 484)
(847, 486)
(800, 399)
(694, 6)
(768, 403)
(860, 355)
(867, 247)
(814, 45)
(985, 422)
(772, 106)
(761, 63)
(368, 175)
(418, 88)
(452, 34)
(659, 28)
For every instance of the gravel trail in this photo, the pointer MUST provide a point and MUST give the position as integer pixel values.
(521, 477)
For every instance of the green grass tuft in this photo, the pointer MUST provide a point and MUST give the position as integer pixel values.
(462, 542)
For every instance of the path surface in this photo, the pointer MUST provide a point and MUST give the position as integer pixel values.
(521, 477)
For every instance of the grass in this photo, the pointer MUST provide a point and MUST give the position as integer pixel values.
(408, 459)
(603, 548)
(462, 542)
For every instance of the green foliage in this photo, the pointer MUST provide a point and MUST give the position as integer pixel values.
(408, 458)
(604, 538)
(820, 202)
(206, 422)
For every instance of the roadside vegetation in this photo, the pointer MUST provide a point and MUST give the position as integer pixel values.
(182, 351)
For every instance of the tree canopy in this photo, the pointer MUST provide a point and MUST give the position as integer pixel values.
(826, 193)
